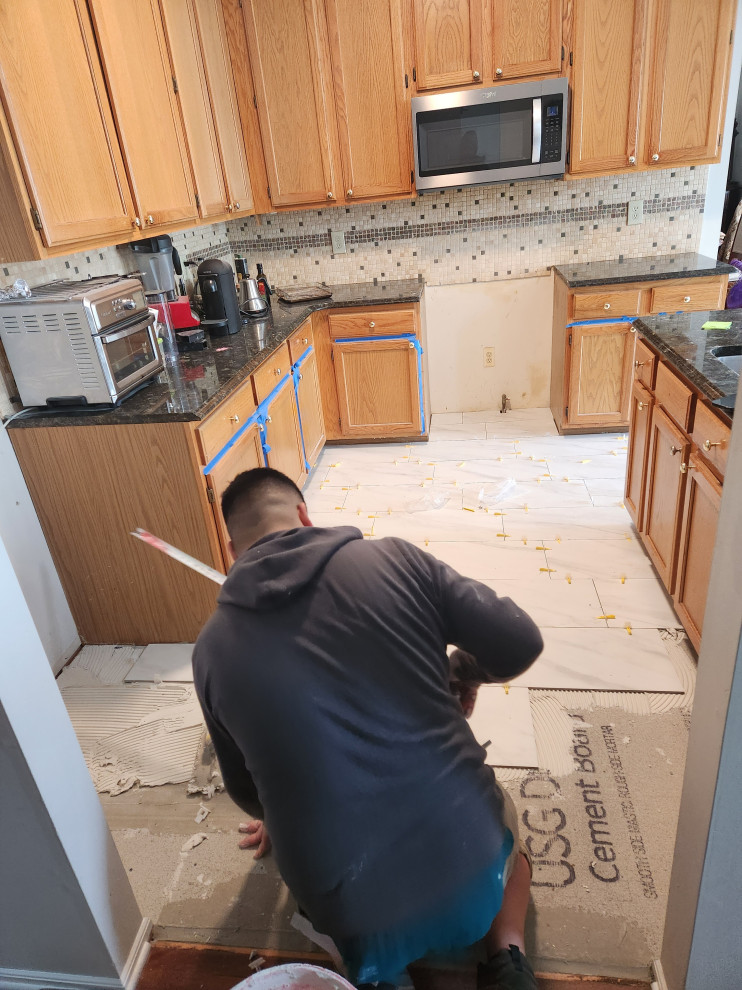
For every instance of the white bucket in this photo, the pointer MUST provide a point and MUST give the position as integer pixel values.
(294, 976)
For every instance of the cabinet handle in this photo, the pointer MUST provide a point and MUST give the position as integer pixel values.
(686, 298)
(606, 305)
(498, 72)
(236, 206)
(675, 450)
(331, 195)
(655, 158)
(708, 444)
(632, 159)
(372, 324)
(640, 406)
(349, 193)
(683, 467)
(639, 364)
(268, 419)
(136, 222)
(234, 419)
(476, 77)
(150, 218)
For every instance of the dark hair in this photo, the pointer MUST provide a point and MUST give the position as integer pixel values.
(254, 488)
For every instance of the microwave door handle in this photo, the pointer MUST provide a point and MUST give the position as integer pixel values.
(536, 150)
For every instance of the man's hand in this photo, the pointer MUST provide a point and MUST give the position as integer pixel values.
(466, 692)
(465, 680)
(256, 835)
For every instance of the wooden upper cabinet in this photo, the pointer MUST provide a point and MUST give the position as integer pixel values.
(141, 85)
(527, 37)
(448, 43)
(55, 100)
(373, 110)
(287, 41)
(688, 82)
(212, 32)
(606, 84)
(185, 49)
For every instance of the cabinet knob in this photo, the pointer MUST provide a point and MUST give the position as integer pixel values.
(349, 192)
(498, 72)
(675, 450)
(639, 364)
(305, 340)
(136, 222)
(632, 159)
(236, 206)
(268, 419)
(606, 305)
(632, 329)
(150, 218)
(708, 444)
(276, 371)
(683, 467)
(412, 347)
(372, 324)
(655, 158)
(331, 195)
(301, 377)
(234, 419)
(475, 76)
(686, 298)
(640, 406)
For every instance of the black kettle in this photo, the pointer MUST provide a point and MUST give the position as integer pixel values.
(219, 298)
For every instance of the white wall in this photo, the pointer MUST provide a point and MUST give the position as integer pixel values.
(26, 547)
(513, 316)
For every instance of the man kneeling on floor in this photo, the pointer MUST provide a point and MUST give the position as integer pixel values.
(325, 684)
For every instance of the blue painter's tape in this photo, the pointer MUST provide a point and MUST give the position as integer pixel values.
(295, 375)
(593, 323)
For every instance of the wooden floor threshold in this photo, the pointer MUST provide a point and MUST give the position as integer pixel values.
(188, 966)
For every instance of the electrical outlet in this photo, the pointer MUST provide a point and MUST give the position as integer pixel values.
(636, 211)
(338, 241)
(489, 357)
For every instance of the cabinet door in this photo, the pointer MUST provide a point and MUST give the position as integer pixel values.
(310, 409)
(55, 99)
(700, 518)
(527, 37)
(378, 388)
(606, 84)
(290, 65)
(185, 50)
(689, 65)
(448, 43)
(666, 474)
(284, 437)
(213, 35)
(636, 466)
(142, 89)
(373, 111)
(246, 454)
(600, 375)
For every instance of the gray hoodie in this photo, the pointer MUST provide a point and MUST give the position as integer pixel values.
(324, 681)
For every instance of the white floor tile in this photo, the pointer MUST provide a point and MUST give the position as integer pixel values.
(584, 445)
(444, 525)
(555, 603)
(599, 559)
(477, 470)
(548, 494)
(520, 423)
(504, 721)
(607, 501)
(584, 523)
(400, 498)
(458, 431)
(602, 660)
(323, 499)
(458, 449)
(598, 466)
(352, 473)
(481, 562)
(643, 604)
(446, 419)
(163, 662)
(599, 487)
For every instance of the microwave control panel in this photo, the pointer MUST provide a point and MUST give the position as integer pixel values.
(552, 123)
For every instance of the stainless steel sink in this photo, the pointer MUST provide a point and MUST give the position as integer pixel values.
(730, 355)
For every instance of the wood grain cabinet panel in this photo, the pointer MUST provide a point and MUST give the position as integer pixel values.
(55, 100)
(673, 395)
(371, 324)
(283, 436)
(136, 62)
(609, 303)
(666, 474)
(448, 43)
(645, 364)
(698, 535)
(301, 340)
(606, 84)
(712, 437)
(246, 454)
(185, 50)
(378, 388)
(271, 372)
(636, 467)
(373, 110)
(213, 35)
(527, 37)
(310, 409)
(287, 40)
(600, 375)
(223, 423)
(676, 296)
(689, 70)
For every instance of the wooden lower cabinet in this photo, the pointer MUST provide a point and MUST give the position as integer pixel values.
(245, 455)
(666, 473)
(636, 465)
(283, 436)
(698, 534)
(600, 357)
(310, 409)
(378, 388)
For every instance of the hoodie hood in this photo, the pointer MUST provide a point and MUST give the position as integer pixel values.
(277, 568)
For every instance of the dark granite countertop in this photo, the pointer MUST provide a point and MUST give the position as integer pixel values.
(681, 339)
(195, 382)
(641, 270)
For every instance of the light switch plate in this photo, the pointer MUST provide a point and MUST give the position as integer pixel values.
(636, 211)
(338, 241)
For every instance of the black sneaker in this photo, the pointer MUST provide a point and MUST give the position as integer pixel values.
(507, 970)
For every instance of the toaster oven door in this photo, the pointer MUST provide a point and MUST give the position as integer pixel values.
(129, 355)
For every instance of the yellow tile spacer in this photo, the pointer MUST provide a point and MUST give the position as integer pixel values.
(543, 548)
(336, 464)
(565, 478)
(541, 460)
(461, 464)
(428, 479)
(559, 539)
(338, 508)
(518, 453)
(388, 512)
(586, 461)
(369, 534)
(358, 512)
(427, 542)
(525, 542)
(467, 509)
(503, 536)
(538, 480)
(615, 453)
(547, 570)
(605, 616)
(499, 513)
(622, 505)
(569, 579)
(525, 508)
(623, 579)
(628, 628)
(627, 536)
(499, 458)
(506, 688)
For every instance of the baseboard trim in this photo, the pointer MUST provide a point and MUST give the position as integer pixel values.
(658, 976)
(29, 979)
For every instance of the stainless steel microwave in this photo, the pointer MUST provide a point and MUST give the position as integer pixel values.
(474, 136)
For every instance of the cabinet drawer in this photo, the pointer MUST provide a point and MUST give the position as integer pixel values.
(674, 397)
(617, 302)
(214, 432)
(269, 374)
(645, 365)
(709, 430)
(300, 340)
(371, 324)
(700, 293)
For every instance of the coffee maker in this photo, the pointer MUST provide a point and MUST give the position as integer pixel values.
(158, 263)
(219, 298)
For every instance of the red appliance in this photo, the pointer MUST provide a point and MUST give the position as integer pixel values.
(179, 310)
